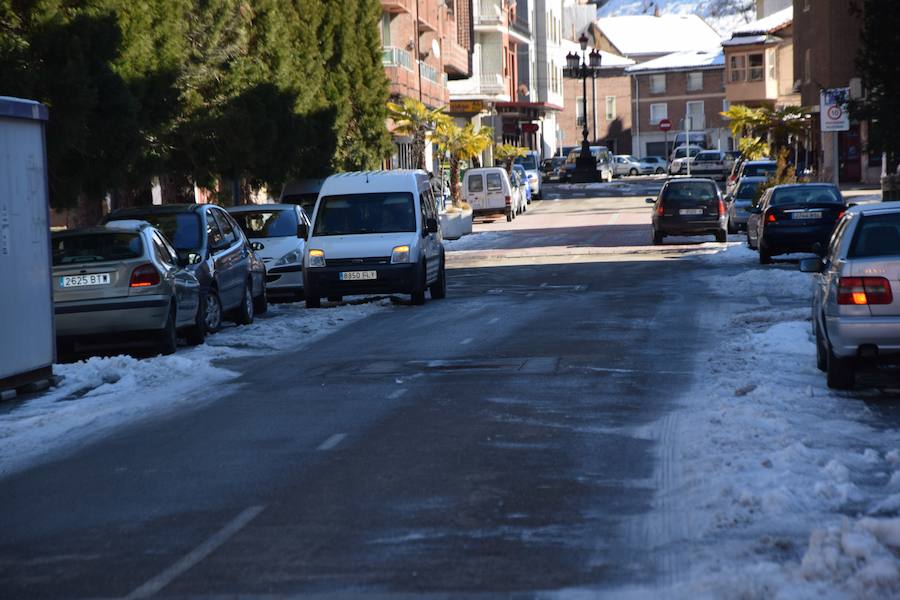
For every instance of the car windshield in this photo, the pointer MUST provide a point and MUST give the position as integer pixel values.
(380, 212)
(759, 169)
(747, 190)
(708, 156)
(267, 223)
(181, 229)
(631, 159)
(681, 152)
(877, 235)
(689, 191)
(96, 247)
(528, 162)
(805, 195)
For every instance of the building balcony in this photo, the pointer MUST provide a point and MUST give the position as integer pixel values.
(456, 60)
(487, 86)
(397, 6)
(429, 16)
(429, 73)
(488, 13)
(395, 57)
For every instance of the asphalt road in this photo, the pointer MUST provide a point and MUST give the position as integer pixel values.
(491, 444)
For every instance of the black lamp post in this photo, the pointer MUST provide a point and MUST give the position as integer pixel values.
(581, 67)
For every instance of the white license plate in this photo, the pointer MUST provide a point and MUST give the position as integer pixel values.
(358, 275)
(808, 214)
(83, 280)
(690, 211)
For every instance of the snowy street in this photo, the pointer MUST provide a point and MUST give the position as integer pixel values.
(585, 415)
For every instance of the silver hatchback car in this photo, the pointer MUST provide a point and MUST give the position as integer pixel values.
(121, 278)
(856, 316)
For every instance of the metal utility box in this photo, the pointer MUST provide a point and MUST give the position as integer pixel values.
(27, 337)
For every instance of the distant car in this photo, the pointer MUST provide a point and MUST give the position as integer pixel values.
(681, 156)
(277, 233)
(855, 311)
(740, 201)
(123, 278)
(489, 191)
(552, 168)
(533, 175)
(601, 154)
(795, 218)
(211, 245)
(303, 193)
(710, 163)
(625, 164)
(524, 188)
(689, 206)
(654, 164)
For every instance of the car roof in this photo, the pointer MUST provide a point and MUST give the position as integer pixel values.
(690, 180)
(753, 178)
(761, 161)
(134, 227)
(879, 208)
(356, 182)
(482, 169)
(272, 206)
(791, 186)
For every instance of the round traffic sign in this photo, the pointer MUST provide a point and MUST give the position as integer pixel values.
(835, 112)
(665, 125)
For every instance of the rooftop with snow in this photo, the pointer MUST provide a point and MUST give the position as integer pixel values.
(712, 58)
(647, 35)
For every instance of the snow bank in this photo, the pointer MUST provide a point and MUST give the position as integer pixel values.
(100, 394)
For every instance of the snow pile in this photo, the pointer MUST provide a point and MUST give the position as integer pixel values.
(99, 394)
(723, 15)
(780, 487)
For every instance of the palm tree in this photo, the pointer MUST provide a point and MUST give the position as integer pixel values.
(414, 119)
(766, 130)
(460, 143)
(507, 153)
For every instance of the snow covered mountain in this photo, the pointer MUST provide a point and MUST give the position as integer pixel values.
(723, 15)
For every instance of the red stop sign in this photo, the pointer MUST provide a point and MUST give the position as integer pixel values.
(665, 125)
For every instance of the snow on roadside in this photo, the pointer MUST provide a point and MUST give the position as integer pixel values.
(99, 394)
(785, 489)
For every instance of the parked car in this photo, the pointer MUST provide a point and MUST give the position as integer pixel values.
(303, 193)
(681, 156)
(654, 164)
(732, 178)
(524, 188)
(533, 174)
(489, 191)
(689, 206)
(277, 233)
(797, 217)
(624, 164)
(553, 169)
(740, 201)
(376, 233)
(213, 247)
(693, 138)
(710, 163)
(123, 278)
(604, 162)
(855, 313)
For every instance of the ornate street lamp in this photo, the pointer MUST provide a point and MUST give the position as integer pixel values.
(582, 67)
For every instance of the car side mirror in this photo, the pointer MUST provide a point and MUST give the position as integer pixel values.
(812, 265)
(256, 246)
(431, 225)
(851, 205)
(193, 259)
(302, 231)
(650, 200)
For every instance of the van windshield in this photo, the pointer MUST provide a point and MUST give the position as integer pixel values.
(529, 162)
(352, 214)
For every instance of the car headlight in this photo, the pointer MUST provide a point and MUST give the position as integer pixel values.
(400, 254)
(289, 258)
(316, 258)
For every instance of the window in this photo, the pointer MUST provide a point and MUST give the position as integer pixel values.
(163, 252)
(268, 223)
(213, 233)
(695, 111)
(757, 66)
(658, 84)
(738, 68)
(579, 111)
(695, 81)
(771, 63)
(610, 108)
(476, 184)
(725, 105)
(658, 112)
(228, 235)
(386, 29)
(96, 247)
(494, 182)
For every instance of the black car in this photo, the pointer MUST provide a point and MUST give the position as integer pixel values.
(211, 244)
(795, 218)
(689, 206)
(553, 168)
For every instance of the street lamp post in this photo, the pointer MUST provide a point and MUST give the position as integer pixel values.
(582, 67)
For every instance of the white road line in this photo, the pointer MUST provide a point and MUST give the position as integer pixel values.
(332, 441)
(763, 301)
(196, 555)
(396, 394)
(614, 219)
(494, 320)
(610, 370)
(466, 342)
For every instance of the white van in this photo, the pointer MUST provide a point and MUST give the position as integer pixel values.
(489, 191)
(374, 232)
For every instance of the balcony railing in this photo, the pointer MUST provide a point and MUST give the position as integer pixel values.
(491, 83)
(395, 57)
(488, 12)
(429, 73)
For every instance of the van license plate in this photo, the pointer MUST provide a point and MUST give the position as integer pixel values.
(690, 211)
(358, 275)
(807, 214)
(83, 280)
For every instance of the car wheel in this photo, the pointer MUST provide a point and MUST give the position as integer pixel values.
(721, 236)
(731, 227)
(658, 237)
(167, 341)
(821, 355)
(749, 241)
(659, 171)
(196, 333)
(261, 302)
(509, 216)
(418, 294)
(212, 314)
(765, 258)
(244, 313)
(840, 373)
(438, 289)
(633, 172)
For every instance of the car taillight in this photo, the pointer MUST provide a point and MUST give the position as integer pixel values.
(840, 214)
(144, 276)
(864, 290)
(721, 207)
(770, 218)
(660, 209)
(508, 201)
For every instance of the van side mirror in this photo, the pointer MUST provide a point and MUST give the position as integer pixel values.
(431, 225)
(649, 200)
(812, 265)
(256, 246)
(302, 231)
